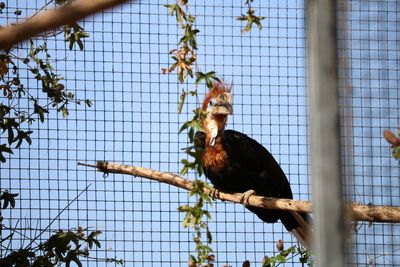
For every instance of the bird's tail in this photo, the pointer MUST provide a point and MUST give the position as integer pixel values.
(303, 231)
(298, 224)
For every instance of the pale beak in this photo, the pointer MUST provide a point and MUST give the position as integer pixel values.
(222, 107)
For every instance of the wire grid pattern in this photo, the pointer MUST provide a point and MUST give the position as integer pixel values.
(369, 40)
(134, 121)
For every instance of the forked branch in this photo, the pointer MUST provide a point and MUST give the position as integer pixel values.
(357, 212)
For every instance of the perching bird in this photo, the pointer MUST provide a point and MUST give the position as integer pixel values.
(234, 162)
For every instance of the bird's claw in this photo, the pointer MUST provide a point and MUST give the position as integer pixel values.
(214, 193)
(245, 197)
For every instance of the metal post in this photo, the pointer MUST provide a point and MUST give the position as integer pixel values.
(328, 243)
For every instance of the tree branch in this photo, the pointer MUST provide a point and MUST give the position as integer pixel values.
(357, 212)
(54, 18)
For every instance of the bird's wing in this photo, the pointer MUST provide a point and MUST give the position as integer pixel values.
(250, 155)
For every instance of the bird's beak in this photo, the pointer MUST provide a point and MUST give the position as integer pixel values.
(222, 107)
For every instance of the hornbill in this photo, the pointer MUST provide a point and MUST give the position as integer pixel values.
(234, 162)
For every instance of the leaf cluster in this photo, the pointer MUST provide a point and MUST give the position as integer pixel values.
(251, 19)
(194, 218)
(193, 150)
(6, 199)
(62, 247)
(208, 78)
(185, 55)
(12, 115)
(305, 257)
(73, 33)
(185, 62)
(38, 62)
(195, 124)
(67, 247)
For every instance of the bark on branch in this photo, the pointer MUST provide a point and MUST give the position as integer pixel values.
(357, 212)
(67, 14)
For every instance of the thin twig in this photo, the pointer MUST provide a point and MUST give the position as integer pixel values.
(51, 19)
(357, 212)
(58, 215)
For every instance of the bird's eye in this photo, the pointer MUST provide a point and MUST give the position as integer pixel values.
(211, 103)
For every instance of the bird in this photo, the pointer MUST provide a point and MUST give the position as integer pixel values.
(236, 163)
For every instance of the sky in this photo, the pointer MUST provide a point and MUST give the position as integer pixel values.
(134, 120)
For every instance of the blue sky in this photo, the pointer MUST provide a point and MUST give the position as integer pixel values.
(134, 120)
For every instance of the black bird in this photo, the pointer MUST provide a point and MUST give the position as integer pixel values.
(234, 162)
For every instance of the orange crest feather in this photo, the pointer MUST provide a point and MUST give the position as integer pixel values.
(217, 89)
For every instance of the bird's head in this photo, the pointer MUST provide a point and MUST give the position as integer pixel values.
(218, 105)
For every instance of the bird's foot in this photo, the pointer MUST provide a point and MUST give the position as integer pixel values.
(214, 193)
(245, 197)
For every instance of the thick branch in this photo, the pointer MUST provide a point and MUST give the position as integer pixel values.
(67, 14)
(358, 212)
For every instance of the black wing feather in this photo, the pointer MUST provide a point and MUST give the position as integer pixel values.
(250, 158)
(251, 166)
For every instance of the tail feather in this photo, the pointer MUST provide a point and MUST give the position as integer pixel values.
(303, 231)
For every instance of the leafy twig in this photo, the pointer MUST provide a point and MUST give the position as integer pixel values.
(251, 18)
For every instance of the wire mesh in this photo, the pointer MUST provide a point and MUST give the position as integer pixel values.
(370, 102)
(134, 120)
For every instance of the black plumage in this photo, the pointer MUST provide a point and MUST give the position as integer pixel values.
(250, 166)
(237, 163)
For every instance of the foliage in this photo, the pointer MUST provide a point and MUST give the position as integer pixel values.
(185, 62)
(74, 34)
(194, 218)
(250, 18)
(19, 108)
(305, 256)
(394, 141)
(185, 55)
(62, 247)
(192, 125)
(16, 107)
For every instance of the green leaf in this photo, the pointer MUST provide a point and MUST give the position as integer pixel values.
(250, 18)
(182, 100)
(248, 25)
(88, 103)
(8, 198)
(171, 9)
(10, 132)
(200, 77)
(216, 79)
(184, 126)
(183, 208)
(65, 112)
(22, 135)
(74, 34)
(4, 148)
(92, 238)
(181, 78)
(280, 258)
(80, 44)
(191, 134)
(208, 215)
(184, 170)
(190, 72)
(40, 111)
